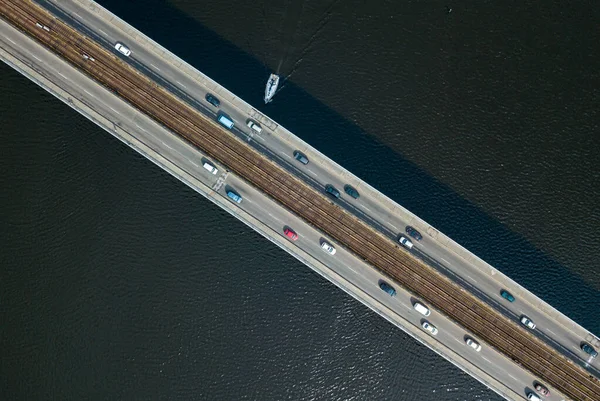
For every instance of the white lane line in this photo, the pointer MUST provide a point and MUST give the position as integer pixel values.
(168, 146)
(155, 66)
(483, 357)
(102, 32)
(313, 173)
(550, 331)
(286, 155)
(181, 84)
(78, 16)
(445, 260)
(88, 92)
(393, 226)
(472, 279)
(137, 125)
(36, 57)
(10, 41)
(364, 207)
(514, 378)
(260, 137)
(62, 75)
(275, 217)
(114, 110)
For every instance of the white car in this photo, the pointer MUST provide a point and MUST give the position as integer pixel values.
(422, 309)
(527, 322)
(328, 247)
(533, 397)
(430, 328)
(473, 344)
(405, 242)
(211, 169)
(121, 48)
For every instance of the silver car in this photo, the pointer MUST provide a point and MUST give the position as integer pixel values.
(328, 247)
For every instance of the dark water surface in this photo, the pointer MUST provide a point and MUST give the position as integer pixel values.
(118, 282)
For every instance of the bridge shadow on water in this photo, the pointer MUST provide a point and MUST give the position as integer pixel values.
(367, 157)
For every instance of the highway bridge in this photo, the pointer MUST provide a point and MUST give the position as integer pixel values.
(364, 232)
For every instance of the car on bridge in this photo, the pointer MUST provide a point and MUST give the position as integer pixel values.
(301, 157)
(405, 242)
(543, 390)
(527, 322)
(430, 327)
(473, 344)
(350, 190)
(212, 100)
(211, 169)
(588, 349)
(254, 126)
(234, 196)
(331, 190)
(291, 234)
(507, 295)
(121, 48)
(414, 233)
(533, 396)
(387, 288)
(327, 247)
(422, 309)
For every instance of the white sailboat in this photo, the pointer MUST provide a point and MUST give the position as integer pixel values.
(271, 87)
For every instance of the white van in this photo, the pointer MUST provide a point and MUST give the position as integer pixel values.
(533, 397)
(422, 309)
(211, 169)
(225, 121)
(254, 126)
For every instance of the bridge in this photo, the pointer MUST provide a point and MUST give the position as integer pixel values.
(154, 103)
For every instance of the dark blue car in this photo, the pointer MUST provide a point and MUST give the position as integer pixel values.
(588, 349)
(350, 190)
(330, 189)
(414, 233)
(387, 288)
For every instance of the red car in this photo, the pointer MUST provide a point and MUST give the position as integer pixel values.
(542, 390)
(291, 234)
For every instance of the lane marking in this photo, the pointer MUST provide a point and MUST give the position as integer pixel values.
(364, 207)
(137, 125)
(10, 40)
(393, 226)
(78, 16)
(155, 66)
(313, 173)
(514, 378)
(471, 278)
(550, 331)
(114, 110)
(260, 137)
(286, 155)
(101, 31)
(62, 75)
(483, 357)
(88, 92)
(36, 57)
(445, 260)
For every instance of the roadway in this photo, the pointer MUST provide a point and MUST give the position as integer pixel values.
(256, 204)
(566, 339)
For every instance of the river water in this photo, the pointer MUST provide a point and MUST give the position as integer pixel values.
(119, 282)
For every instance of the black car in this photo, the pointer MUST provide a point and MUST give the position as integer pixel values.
(330, 189)
(414, 233)
(588, 349)
(301, 157)
(212, 100)
(350, 190)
